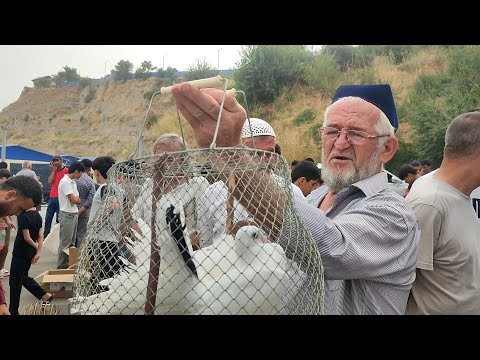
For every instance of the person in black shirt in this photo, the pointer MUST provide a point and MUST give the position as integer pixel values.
(26, 251)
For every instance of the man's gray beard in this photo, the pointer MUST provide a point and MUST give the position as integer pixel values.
(339, 182)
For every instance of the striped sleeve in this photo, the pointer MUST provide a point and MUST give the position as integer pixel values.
(363, 242)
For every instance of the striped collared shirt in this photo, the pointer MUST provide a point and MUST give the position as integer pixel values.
(86, 190)
(368, 243)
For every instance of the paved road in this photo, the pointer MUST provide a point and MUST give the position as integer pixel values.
(48, 261)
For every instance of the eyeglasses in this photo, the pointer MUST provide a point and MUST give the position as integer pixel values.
(354, 137)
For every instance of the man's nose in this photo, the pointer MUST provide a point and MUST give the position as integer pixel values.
(341, 141)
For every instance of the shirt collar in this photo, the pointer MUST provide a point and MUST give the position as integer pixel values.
(373, 184)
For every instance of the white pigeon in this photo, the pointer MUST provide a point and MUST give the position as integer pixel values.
(242, 275)
(127, 291)
(245, 275)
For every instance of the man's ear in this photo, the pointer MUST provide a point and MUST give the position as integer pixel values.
(389, 148)
(10, 194)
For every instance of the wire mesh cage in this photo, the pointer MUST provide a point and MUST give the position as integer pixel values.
(41, 307)
(172, 238)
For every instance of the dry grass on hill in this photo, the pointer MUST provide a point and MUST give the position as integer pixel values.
(87, 129)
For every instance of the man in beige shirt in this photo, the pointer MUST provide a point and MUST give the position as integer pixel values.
(448, 264)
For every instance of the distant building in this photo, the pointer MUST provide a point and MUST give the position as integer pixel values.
(16, 154)
(42, 82)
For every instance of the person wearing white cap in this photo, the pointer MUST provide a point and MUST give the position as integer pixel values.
(262, 132)
(213, 205)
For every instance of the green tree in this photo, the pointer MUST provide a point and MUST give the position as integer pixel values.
(266, 71)
(122, 70)
(68, 74)
(84, 82)
(405, 154)
(345, 55)
(143, 71)
(435, 100)
(169, 73)
(199, 70)
(324, 74)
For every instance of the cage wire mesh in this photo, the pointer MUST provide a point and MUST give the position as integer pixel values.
(149, 250)
(195, 232)
(41, 307)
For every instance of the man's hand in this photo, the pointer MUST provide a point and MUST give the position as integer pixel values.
(4, 310)
(201, 107)
(36, 258)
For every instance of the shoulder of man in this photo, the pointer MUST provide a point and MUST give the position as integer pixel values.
(391, 206)
(424, 193)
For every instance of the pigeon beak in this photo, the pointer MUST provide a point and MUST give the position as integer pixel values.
(264, 239)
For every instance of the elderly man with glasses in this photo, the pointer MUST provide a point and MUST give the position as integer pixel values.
(366, 234)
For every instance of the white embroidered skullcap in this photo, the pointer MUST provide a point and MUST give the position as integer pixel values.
(259, 127)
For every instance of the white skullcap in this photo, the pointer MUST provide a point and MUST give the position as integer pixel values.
(259, 128)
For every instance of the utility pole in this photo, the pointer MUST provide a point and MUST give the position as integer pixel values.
(4, 142)
(218, 60)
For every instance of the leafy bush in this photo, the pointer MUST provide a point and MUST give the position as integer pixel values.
(148, 95)
(306, 116)
(151, 120)
(90, 95)
(26, 117)
(69, 74)
(314, 133)
(435, 100)
(169, 73)
(265, 71)
(84, 82)
(396, 53)
(122, 70)
(324, 74)
(143, 72)
(199, 70)
(344, 55)
(405, 154)
(367, 75)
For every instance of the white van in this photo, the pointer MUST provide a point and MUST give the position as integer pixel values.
(397, 185)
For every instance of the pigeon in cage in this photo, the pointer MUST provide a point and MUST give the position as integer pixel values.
(245, 274)
(126, 292)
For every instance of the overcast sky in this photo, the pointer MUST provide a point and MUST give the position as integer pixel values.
(19, 64)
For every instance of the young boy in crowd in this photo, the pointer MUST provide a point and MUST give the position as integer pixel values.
(26, 251)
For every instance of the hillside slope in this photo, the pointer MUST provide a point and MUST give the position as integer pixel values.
(104, 119)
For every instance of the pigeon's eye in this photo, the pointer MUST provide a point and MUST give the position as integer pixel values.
(255, 235)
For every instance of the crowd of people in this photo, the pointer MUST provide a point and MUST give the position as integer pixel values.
(381, 253)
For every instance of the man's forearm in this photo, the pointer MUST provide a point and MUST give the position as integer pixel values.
(51, 177)
(255, 189)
